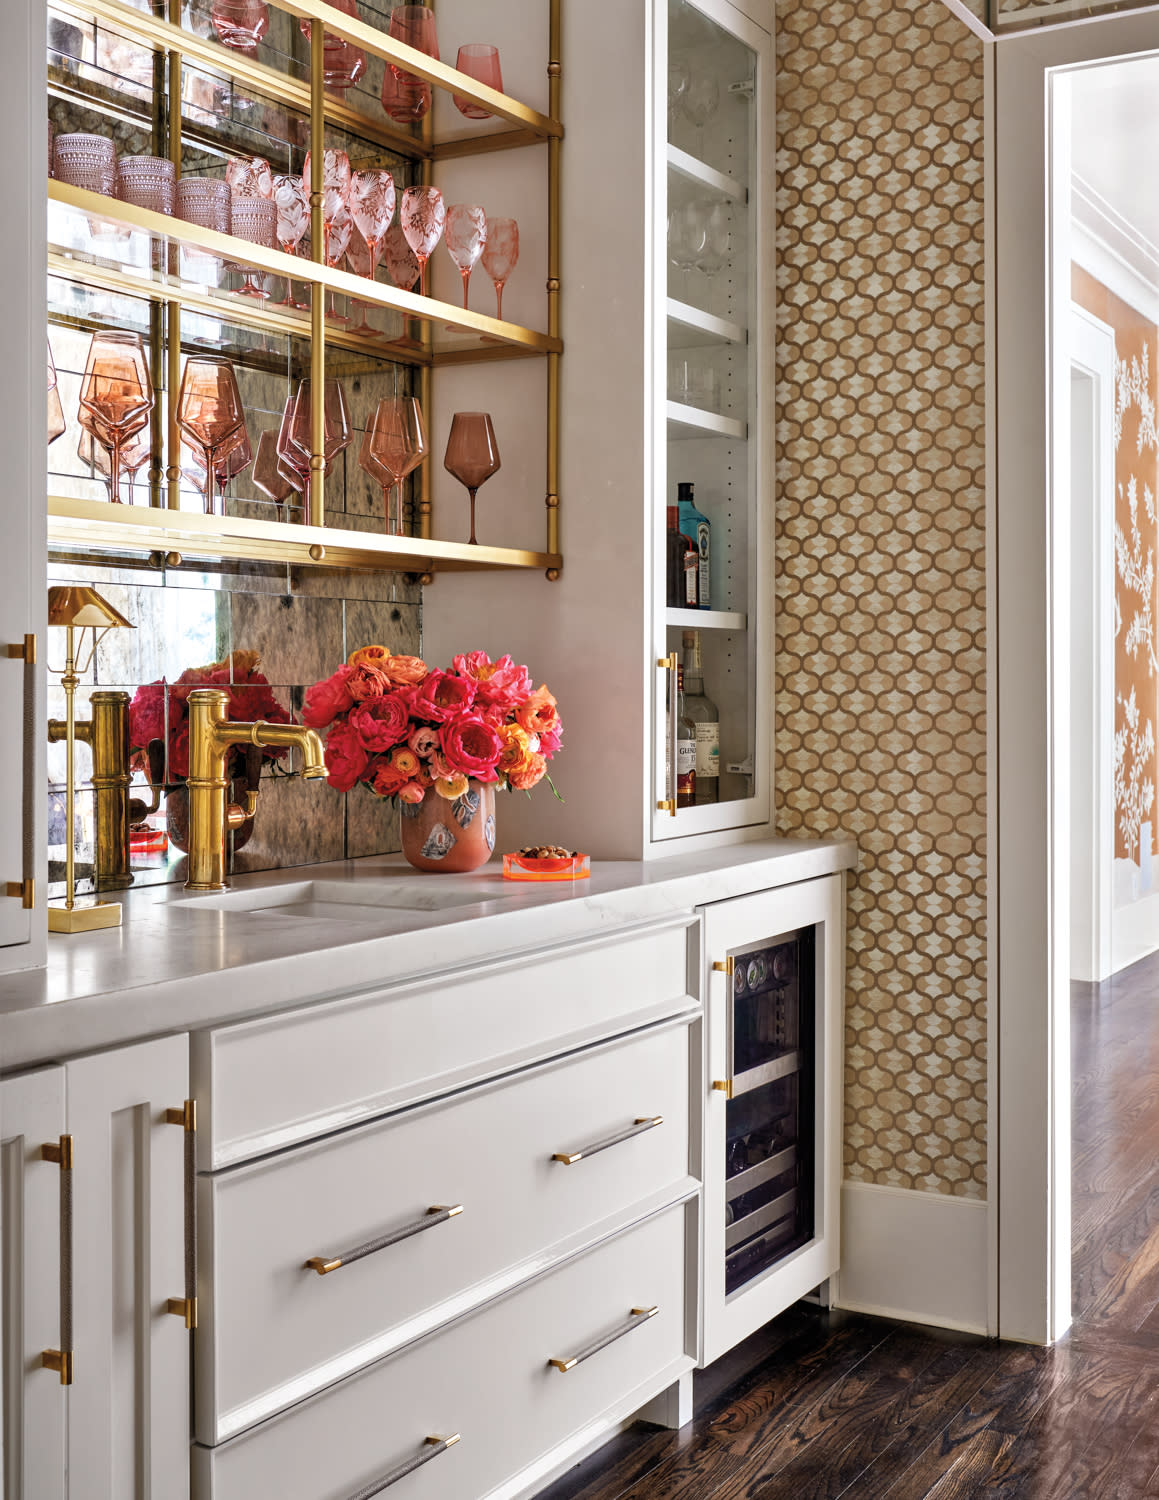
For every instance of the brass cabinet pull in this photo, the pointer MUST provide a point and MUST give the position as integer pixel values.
(638, 1316)
(24, 889)
(186, 1307)
(61, 1360)
(724, 965)
(723, 1086)
(668, 802)
(638, 1127)
(438, 1213)
(433, 1446)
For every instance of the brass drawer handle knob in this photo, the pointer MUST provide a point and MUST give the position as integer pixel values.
(637, 1127)
(432, 1447)
(723, 1086)
(724, 965)
(438, 1213)
(638, 1316)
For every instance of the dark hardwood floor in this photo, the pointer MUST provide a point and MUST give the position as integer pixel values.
(820, 1405)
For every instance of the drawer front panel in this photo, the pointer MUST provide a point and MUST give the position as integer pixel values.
(263, 1085)
(273, 1330)
(486, 1378)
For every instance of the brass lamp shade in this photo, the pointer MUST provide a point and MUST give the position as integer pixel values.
(82, 606)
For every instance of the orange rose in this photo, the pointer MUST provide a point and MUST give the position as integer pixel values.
(405, 761)
(539, 714)
(404, 671)
(517, 753)
(523, 781)
(374, 656)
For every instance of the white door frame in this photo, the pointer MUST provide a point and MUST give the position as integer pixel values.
(1029, 787)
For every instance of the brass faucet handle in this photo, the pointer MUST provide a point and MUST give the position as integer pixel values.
(236, 814)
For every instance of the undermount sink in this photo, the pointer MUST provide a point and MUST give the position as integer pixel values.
(342, 900)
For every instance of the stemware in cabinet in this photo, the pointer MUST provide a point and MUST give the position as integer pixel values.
(210, 413)
(292, 203)
(268, 477)
(472, 454)
(405, 96)
(116, 395)
(295, 439)
(393, 446)
(500, 254)
(372, 206)
(240, 24)
(423, 216)
(466, 237)
(343, 64)
(255, 220)
(135, 454)
(56, 422)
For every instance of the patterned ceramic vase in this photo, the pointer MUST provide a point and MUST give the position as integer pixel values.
(453, 837)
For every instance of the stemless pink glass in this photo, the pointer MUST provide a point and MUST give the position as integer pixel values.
(393, 445)
(422, 217)
(267, 477)
(343, 63)
(479, 60)
(409, 97)
(254, 219)
(399, 259)
(293, 219)
(204, 201)
(240, 24)
(472, 454)
(86, 161)
(500, 254)
(148, 182)
(466, 238)
(406, 106)
(372, 205)
(249, 177)
(56, 422)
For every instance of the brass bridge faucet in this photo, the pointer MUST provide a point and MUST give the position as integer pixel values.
(211, 736)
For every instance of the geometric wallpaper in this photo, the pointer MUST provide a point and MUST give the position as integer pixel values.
(880, 661)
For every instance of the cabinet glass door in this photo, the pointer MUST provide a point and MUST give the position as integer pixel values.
(711, 470)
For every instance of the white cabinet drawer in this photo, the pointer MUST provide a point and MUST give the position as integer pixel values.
(273, 1330)
(488, 1379)
(266, 1084)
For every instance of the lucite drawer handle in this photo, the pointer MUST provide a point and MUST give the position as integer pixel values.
(638, 1316)
(433, 1447)
(638, 1127)
(61, 1360)
(438, 1213)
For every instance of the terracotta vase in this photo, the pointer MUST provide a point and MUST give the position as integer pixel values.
(177, 819)
(451, 837)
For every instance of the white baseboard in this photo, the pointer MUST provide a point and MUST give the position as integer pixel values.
(920, 1257)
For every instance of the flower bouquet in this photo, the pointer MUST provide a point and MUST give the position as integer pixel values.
(440, 742)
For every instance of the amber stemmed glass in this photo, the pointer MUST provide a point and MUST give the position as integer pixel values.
(393, 445)
(372, 207)
(479, 60)
(292, 203)
(500, 254)
(405, 96)
(466, 236)
(268, 477)
(254, 219)
(210, 414)
(56, 422)
(116, 396)
(343, 64)
(294, 440)
(240, 24)
(422, 217)
(472, 454)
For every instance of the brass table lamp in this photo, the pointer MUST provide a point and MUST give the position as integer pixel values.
(79, 609)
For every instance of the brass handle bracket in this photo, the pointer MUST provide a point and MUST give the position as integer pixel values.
(185, 1307)
(637, 1317)
(724, 965)
(23, 891)
(723, 1086)
(638, 1126)
(24, 651)
(60, 1361)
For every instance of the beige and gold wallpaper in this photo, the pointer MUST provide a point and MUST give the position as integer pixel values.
(881, 691)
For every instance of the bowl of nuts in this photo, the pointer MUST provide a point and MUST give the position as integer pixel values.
(546, 862)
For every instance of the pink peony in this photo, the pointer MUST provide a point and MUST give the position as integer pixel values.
(442, 697)
(326, 700)
(423, 740)
(471, 747)
(147, 714)
(346, 759)
(501, 684)
(380, 722)
(550, 742)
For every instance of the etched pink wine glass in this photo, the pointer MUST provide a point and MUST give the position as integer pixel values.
(422, 217)
(393, 446)
(466, 235)
(210, 413)
(249, 177)
(500, 254)
(361, 262)
(335, 186)
(479, 60)
(472, 454)
(343, 64)
(116, 395)
(240, 24)
(268, 477)
(372, 205)
(292, 203)
(399, 259)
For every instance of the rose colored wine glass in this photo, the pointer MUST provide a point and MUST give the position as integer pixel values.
(255, 220)
(466, 235)
(372, 206)
(422, 217)
(393, 445)
(399, 259)
(472, 454)
(240, 24)
(343, 63)
(294, 441)
(249, 177)
(410, 94)
(135, 454)
(56, 422)
(335, 185)
(228, 467)
(210, 413)
(116, 395)
(479, 60)
(361, 262)
(500, 254)
(292, 203)
(268, 478)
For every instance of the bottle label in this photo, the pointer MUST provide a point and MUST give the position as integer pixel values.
(708, 749)
(702, 546)
(685, 759)
(691, 570)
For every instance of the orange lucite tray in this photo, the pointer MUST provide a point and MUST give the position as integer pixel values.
(523, 867)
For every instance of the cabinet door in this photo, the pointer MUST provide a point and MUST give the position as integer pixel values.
(32, 1115)
(772, 1104)
(128, 1432)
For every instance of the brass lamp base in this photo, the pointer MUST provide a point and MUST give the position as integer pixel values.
(84, 918)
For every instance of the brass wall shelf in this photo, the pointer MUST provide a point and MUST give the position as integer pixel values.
(140, 530)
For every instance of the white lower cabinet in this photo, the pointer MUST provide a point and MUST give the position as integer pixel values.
(94, 1246)
(489, 1381)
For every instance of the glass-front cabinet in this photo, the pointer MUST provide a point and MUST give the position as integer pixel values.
(713, 468)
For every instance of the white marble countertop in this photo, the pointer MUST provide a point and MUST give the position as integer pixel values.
(181, 961)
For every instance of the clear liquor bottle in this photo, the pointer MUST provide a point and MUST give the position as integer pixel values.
(685, 749)
(703, 713)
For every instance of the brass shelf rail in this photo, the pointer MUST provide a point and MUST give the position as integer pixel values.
(142, 530)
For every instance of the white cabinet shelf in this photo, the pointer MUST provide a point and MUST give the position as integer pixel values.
(706, 177)
(706, 619)
(685, 422)
(691, 328)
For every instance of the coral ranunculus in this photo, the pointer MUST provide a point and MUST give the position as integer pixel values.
(380, 722)
(374, 656)
(326, 700)
(423, 740)
(346, 759)
(471, 747)
(538, 714)
(523, 781)
(442, 697)
(405, 671)
(517, 749)
(367, 681)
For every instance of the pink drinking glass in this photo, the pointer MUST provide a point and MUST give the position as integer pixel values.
(393, 445)
(292, 203)
(466, 237)
(294, 439)
(406, 106)
(399, 259)
(136, 453)
(414, 25)
(240, 24)
(372, 206)
(472, 454)
(86, 161)
(249, 177)
(227, 467)
(116, 395)
(56, 422)
(479, 60)
(361, 262)
(254, 219)
(210, 413)
(500, 254)
(343, 63)
(422, 217)
(148, 182)
(268, 478)
(205, 201)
